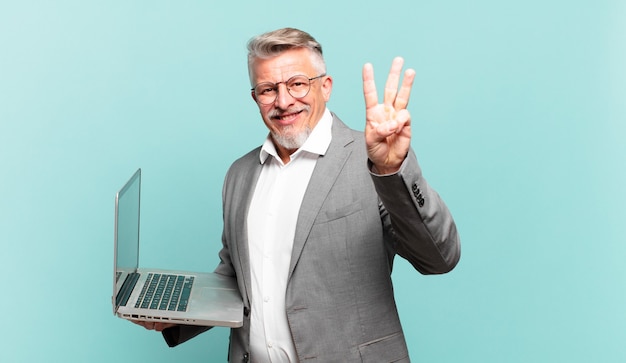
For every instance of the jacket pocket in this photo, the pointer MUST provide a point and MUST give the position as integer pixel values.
(329, 215)
(391, 348)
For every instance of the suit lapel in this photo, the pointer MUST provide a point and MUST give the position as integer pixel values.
(246, 185)
(324, 175)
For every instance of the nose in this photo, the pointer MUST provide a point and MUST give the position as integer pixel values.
(284, 99)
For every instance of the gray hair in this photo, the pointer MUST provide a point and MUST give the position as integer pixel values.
(274, 43)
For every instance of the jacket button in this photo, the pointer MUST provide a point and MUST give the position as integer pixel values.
(418, 194)
(246, 357)
(246, 311)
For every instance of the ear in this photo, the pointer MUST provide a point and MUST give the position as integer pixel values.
(327, 87)
(253, 96)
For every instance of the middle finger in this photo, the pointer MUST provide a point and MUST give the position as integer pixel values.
(391, 87)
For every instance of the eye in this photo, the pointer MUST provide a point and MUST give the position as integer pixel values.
(298, 83)
(265, 89)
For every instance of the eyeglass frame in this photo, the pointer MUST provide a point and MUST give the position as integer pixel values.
(275, 87)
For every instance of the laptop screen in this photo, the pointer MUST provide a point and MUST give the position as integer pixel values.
(127, 225)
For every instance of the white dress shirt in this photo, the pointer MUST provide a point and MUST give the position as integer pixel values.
(272, 221)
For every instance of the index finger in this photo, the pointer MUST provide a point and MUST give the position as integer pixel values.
(369, 86)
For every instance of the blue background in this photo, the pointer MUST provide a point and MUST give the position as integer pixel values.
(519, 122)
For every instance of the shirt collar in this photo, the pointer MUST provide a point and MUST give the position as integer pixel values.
(317, 143)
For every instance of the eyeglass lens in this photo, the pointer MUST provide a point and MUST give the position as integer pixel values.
(297, 86)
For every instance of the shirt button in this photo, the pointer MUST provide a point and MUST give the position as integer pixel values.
(266, 299)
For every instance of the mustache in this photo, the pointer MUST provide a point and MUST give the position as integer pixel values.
(279, 113)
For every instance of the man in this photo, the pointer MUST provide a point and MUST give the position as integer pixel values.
(314, 217)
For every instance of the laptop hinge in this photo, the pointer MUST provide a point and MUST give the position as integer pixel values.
(127, 288)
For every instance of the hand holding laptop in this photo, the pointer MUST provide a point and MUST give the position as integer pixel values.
(154, 325)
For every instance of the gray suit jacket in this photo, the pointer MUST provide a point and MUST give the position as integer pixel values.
(339, 299)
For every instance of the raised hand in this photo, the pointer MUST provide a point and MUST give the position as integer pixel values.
(388, 125)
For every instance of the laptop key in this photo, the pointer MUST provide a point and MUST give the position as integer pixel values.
(165, 292)
(185, 294)
(178, 287)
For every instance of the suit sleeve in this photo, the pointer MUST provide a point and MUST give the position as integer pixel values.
(422, 228)
(181, 333)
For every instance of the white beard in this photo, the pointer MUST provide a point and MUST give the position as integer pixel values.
(289, 140)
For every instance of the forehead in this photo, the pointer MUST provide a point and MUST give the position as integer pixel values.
(282, 67)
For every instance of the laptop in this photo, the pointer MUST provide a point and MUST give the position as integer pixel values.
(159, 295)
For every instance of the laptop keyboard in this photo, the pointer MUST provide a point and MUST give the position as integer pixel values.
(165, 292)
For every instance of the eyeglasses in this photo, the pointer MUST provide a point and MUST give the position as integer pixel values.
(297, 86)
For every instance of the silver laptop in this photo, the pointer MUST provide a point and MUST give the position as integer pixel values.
(162, 295)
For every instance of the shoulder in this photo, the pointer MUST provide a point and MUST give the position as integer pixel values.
(244, 164)
(250, 156)
(346, 135)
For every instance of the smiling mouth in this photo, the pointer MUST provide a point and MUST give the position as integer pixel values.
(286, 116)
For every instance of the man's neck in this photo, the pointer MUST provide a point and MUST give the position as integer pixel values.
(284, 154)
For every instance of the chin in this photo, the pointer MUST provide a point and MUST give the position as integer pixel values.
(291, 141)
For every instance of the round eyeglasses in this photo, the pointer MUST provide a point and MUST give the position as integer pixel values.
(297, 86)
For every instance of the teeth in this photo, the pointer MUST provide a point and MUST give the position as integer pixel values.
(285, 117)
